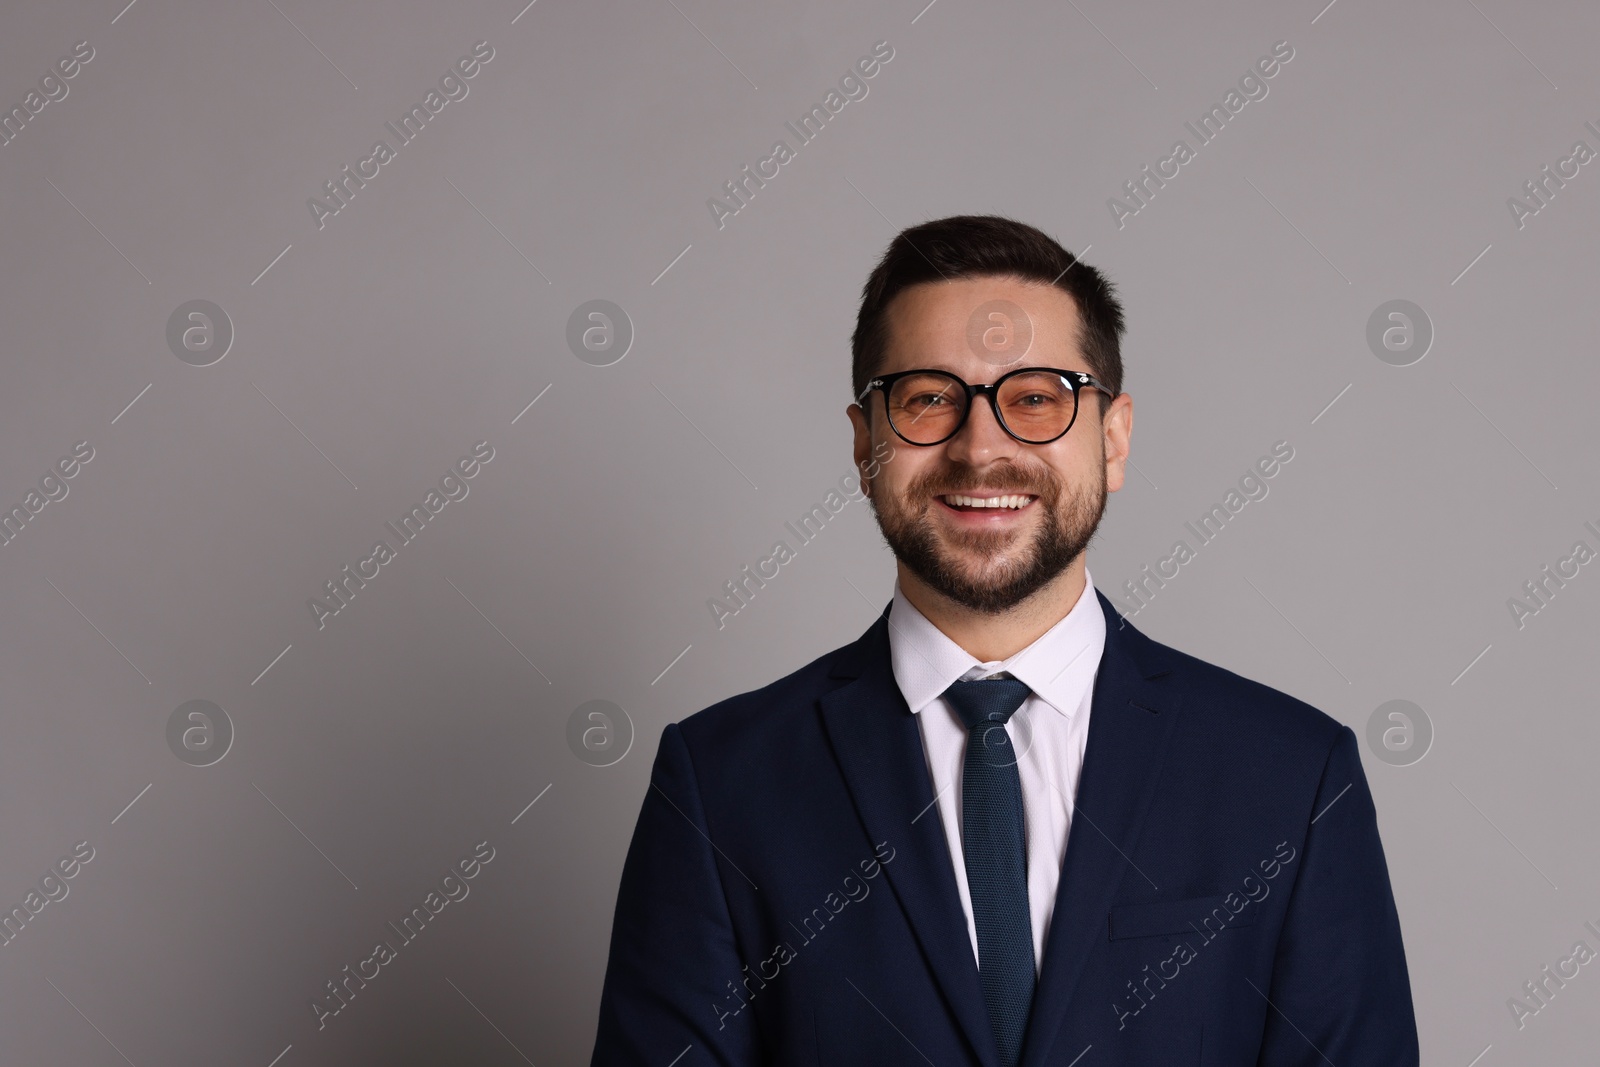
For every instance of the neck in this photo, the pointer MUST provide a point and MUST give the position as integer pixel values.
(986, 637)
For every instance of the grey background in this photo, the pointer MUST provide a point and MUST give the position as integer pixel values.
(375, 351)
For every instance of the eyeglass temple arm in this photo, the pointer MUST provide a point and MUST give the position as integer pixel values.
(1089, 379)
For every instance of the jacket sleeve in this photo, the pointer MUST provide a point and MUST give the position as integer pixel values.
(673, 953)
(1340, 991)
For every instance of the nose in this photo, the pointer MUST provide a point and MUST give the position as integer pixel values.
(981, 439)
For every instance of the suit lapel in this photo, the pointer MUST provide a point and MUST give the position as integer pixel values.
(1130, 721)
(879, 749)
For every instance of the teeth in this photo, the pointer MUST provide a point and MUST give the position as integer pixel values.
(1015, 501)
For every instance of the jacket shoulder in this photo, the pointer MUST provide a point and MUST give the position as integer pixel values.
(1229, 703)
(771, 712)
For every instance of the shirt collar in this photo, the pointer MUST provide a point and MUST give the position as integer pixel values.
(1059, 666)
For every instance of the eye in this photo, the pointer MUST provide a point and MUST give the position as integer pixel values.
(1036, 400)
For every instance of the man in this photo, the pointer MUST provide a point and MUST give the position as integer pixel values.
(1003, 827)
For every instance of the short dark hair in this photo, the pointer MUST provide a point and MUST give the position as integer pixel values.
(966, 246)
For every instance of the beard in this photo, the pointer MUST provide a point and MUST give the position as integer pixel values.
(991, 571)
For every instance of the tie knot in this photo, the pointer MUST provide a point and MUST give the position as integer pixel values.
(987, 700)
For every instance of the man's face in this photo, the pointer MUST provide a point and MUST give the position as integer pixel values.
(990, 559)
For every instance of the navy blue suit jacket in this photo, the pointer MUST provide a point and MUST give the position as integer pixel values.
(788, 896)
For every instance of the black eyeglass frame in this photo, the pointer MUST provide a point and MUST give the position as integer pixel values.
(1078, 380)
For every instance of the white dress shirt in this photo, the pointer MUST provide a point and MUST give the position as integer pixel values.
(1049, 733)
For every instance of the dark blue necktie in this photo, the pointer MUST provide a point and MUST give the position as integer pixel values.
(997, 866)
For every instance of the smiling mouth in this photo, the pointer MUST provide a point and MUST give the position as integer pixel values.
(999, 502)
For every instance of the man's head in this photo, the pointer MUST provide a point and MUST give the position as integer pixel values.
(978, 296)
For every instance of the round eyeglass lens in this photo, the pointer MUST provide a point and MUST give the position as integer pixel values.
(926, 408)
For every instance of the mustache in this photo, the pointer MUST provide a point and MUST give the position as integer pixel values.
(948, 483)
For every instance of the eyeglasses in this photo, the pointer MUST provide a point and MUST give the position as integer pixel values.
(1035, 405)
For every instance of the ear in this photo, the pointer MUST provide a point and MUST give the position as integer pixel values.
(862, 446)
(1117, 431)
